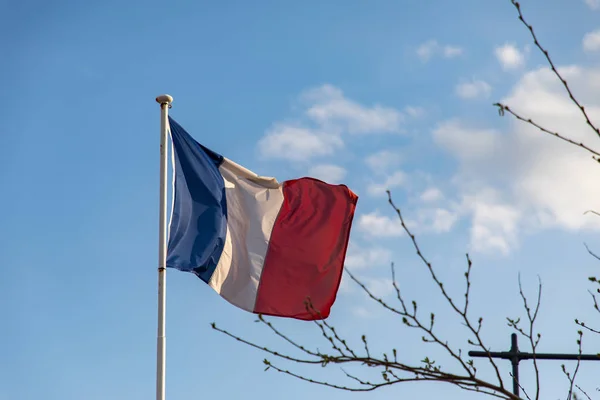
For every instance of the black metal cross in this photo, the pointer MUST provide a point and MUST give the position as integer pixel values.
(515, 356)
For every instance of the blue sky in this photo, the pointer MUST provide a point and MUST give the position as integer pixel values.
(377, 95)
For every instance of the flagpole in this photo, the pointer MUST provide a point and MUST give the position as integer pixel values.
(165, 103)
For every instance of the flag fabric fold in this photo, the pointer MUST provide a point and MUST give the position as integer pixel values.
(264, 246)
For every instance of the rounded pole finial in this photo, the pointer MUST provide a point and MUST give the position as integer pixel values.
(164, 99)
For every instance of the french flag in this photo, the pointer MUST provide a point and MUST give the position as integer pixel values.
(264, 246)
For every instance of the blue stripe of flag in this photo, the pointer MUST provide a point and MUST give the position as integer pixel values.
(199, 222)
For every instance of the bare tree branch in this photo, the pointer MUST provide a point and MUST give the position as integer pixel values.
(584, 392)
(428, 372)
(591, 252)
(504, 108)
(532, 337)
(391, 369)
(570, 377)
(440, 285)
(553, 68)
(521, 387)
(592, 211)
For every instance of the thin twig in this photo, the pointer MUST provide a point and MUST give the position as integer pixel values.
(265, 349)
(584, 392)
(591, 252)
(564, 369)
(592, 211)
(417, 324)
(533, 339)
(440, 285)
(554, 69)
(520, 386)
(503, 108)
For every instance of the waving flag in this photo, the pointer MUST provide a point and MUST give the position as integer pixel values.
(264, 246)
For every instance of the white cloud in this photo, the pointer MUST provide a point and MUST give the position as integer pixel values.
(379, 287)
(383, 160)
(297, 143)
(431, 47)
(591, 41)
(523, 179)
(327, 116)
(377, 225)
(363, 258)
(494, 225)
(427, 49)
(473, 90)
(359, 261)
(593, 4)
(346, 284)
(433, 220)
(452, 51)
(398, 178)
(509, 56)
(431, 195)
(329, 107)
(464, 142)
(328, 172)
(443, 220)
(414, 112)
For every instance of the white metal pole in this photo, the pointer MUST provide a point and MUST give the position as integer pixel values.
(165, 103)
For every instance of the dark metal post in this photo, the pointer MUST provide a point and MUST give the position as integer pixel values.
(515, 356)
(514, 350)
